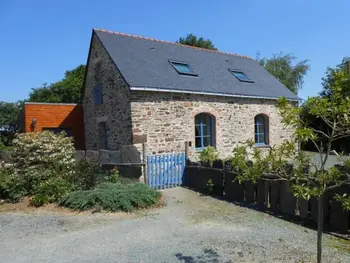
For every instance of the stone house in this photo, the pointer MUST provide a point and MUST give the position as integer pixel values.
(140, 89)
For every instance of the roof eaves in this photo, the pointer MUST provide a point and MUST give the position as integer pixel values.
(209, 93)
(50, 103)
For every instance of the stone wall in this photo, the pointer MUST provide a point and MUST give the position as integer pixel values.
(115, 108)
(128, 154)
(166, 120)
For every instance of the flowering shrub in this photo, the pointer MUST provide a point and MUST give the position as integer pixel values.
(40, 154)
(39, 158)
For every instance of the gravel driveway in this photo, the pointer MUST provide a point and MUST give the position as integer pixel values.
(190, 229)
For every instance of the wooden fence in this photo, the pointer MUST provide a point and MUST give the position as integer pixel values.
(272, 195)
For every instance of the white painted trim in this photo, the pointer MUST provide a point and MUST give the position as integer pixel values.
(207, 93)
(48, 103)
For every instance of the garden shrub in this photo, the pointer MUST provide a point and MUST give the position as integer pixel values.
(113, 177)
(112, 197)
(40, 160)
(51, 190)
(39, 156)
(209, 155)
(12, 186)
(87, 176)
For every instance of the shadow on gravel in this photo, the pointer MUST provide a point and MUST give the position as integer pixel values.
(209, 256)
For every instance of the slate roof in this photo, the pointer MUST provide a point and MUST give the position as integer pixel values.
(144, 64)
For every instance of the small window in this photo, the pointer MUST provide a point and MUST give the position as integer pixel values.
(97, 95)
(183, 68)
(240, 75)
(261, 129)
(204, 131)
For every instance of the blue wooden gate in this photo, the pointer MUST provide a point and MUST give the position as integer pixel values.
(165, 170)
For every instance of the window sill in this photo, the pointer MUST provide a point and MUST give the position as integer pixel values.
(262, 146)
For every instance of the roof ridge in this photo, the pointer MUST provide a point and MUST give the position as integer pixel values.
(168, 42)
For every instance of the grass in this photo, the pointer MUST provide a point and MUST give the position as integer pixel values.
(112, 197)
(339, 243)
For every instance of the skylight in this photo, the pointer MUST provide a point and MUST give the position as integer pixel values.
(240, 75)
(183, 68)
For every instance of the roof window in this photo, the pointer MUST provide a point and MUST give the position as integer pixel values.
(183, 68)
(240, 76)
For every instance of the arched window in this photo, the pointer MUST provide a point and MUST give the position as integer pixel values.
(204, 130)
(261, 129)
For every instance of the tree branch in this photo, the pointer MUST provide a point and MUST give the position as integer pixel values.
(327, 122)
(328, 188)
(321, 132)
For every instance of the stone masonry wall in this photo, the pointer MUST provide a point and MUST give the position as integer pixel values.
(166, 120)
(115, 107)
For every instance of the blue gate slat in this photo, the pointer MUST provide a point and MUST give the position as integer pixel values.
(171, 171)
(156, 172)
(166, 175)
(174, 171)
(153, 161)
(176, 166)
(149, 179)
(161, 174)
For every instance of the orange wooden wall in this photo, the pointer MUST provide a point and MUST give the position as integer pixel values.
(51, 115)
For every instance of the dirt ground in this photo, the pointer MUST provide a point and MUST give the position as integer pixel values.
(191, 228)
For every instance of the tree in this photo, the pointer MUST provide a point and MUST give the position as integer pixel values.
(339, 74)
(67, 90)
(334, 111)
(281, 66)
(332, 74)
(192, 40)
(9, 112)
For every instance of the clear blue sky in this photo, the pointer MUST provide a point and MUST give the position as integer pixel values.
(40, 39)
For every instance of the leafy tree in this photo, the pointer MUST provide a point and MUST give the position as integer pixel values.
(339, 74)
(9, 112)
(333, 75)
(281, 66)
(192, 40)
(334, 111)
(67, 90)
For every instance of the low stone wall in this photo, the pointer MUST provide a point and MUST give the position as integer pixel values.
(127, 154)
(127, 160)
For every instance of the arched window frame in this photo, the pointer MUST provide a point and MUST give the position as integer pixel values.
(261, 130)
(203, 124)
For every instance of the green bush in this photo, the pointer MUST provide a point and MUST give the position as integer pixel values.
(112, 197)
(51, 190)
(87, 176)
(37, 157)
(113, 177)
(209, 155)
(43, 165)
(12, 186)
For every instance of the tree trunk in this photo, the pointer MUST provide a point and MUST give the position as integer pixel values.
(319, 228)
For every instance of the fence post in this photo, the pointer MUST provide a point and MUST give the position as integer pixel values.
(144, 160)
(186, 152)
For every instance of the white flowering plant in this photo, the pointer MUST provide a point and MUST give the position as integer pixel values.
(40, 157)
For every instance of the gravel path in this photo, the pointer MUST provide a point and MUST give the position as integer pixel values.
(190, 229)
